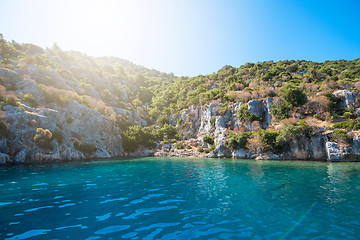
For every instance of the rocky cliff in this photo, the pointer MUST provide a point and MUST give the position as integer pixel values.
(208, 119)
(77, 131)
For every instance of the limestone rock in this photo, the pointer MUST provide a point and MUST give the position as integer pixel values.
(347, 97)
(20, 157)
(261, 108)
(257, 108)
(268, 156)
(241, 153)
(308, 148)
(333, 151)
(207, 112)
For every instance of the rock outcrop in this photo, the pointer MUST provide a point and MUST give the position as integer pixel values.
(346, 97)
(337, 152)
(308, 148)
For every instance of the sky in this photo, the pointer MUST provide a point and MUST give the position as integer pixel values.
(189, 37)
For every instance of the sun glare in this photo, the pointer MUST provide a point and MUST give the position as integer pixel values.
(93, 24)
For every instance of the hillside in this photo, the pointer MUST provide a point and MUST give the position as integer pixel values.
(65, 105)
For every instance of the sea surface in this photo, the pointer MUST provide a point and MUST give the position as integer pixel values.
(163, 198)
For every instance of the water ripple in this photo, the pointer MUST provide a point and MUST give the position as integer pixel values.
(38, 208)
(157, 225)
(104, 217)
(141, 211)
(29, 234)
(113, 200)
(111, 229)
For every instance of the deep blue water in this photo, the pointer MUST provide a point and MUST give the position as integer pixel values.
(154, 198)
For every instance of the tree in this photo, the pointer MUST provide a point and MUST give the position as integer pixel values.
(280, 110)
(208, 139)
(293, 95)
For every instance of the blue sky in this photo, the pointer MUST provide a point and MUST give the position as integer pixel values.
(189, 37)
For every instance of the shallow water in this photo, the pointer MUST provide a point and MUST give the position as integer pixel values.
(160, 198)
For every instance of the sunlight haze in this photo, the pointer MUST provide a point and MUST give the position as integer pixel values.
(189, 37)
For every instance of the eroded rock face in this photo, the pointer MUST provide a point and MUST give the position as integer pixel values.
(76, 122)
(333, 151)
(257, 108)
(190, 121)
(337, 152)
(309, 148)
(241, 153)
(207, 112)
(261, 108)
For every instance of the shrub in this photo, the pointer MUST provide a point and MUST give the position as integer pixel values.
(293, 95)
(280, 110)
(340, 136)
(288, 133)
(235, 141)
(255, 145)
(208, 139)
(223, 108)
(348, 115)
(268, 137)
(87, 148)
(162, 120)
(212, 148)
(43, 138)
(179, 145)
(12, 100)
(188, 147)
(200, 150)
(317, 105)
(60, 96)
(293, 131)
(349, 125)
(134, 136)
(230, 96)
(169, 131)
(29, 98)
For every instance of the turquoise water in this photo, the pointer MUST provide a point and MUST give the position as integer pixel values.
(181, 199)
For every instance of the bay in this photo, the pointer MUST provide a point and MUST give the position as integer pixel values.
(163, 198)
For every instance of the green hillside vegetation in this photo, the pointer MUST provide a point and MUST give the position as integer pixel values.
(106, 84)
